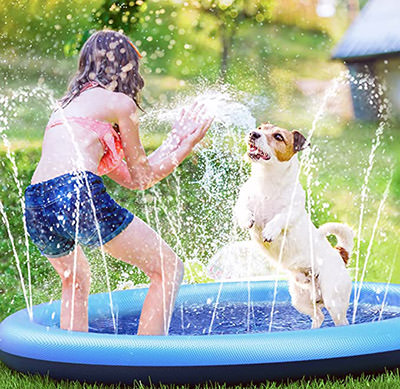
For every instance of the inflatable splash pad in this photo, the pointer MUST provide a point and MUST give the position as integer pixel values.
(219, 332)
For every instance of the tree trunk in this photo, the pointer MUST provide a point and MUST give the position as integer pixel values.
(226, 41)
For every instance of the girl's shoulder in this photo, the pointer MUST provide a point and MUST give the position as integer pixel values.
(122, 106)
(99, 103)
(113, 101)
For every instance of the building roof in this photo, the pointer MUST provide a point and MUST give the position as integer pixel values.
(374, 33)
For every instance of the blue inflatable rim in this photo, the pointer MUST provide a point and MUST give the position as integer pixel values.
(39, 346)
(39, 339)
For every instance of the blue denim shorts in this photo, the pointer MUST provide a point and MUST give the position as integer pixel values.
(72, 209)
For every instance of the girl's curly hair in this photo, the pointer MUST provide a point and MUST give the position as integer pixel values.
(110, 59)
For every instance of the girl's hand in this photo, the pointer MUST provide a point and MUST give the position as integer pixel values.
(191, 125)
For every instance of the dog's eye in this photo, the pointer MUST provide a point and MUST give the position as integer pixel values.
(278, 137)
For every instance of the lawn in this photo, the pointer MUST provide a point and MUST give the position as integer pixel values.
(389, 380)
(192, 208)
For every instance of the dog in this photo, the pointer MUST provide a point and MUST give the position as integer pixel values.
(271, 205)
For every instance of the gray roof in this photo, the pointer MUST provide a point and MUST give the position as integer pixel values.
(375, 32)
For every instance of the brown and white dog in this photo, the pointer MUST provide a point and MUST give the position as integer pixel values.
(271, 205)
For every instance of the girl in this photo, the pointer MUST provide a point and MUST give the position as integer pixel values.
(93, 132)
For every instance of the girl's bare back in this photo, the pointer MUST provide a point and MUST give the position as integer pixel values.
(70, 147)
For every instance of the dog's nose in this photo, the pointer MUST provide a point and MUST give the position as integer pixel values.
(254, 135)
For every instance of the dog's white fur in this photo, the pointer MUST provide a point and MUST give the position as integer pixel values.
(271, 205)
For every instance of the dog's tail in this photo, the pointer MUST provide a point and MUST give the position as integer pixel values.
(344, 235)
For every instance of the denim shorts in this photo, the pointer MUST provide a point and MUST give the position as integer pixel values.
(72, 209)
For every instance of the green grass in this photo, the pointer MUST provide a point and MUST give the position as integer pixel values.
(388, 380)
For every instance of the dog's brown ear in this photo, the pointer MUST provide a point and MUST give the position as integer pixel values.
(299, 141)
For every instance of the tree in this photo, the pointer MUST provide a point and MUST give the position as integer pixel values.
(119, 15)
(116, 15)
(229, 15)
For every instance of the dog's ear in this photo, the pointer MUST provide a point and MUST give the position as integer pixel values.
(299, 141)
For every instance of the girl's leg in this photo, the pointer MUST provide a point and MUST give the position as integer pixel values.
(141, 246)
(74, 305)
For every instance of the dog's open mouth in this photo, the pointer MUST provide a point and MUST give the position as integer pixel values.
(256, 153)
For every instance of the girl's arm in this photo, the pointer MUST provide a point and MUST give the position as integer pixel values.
(122, 176)
(142, 172)
(189, 129)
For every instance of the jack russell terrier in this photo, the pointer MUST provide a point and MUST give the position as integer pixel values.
(271, 205)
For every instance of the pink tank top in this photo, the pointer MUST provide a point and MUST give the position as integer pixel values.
(109, 138)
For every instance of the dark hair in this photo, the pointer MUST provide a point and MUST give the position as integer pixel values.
(109, 59)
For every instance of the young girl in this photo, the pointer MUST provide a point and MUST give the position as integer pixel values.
(93, 132)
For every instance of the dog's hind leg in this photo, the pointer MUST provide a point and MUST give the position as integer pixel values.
(317, 317)
(337, 305)
(338, 315)
(336, 293)
(307, 307)
(302, 301)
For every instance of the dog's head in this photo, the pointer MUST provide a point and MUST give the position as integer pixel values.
(269, 144)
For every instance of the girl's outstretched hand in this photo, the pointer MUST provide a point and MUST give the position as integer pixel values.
(189, 129)
(191, 126)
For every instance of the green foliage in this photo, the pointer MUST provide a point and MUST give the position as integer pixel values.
(131, 16)
(43, 27)
(120, 15)
(303, 14)
(181, 40)
(230, 13)
(229, 16)
(73, 45)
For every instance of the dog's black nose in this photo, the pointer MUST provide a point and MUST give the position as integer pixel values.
(254, 135)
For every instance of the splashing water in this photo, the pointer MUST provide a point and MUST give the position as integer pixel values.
(378, 215)
(214, 186)
(232, 120)
(9, 103)
(388, 283)
(364, 195)
(220, 102)
(383, 111)
(214, 312)
(16, 257)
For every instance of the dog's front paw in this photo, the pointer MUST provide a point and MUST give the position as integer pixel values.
(270, 232)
